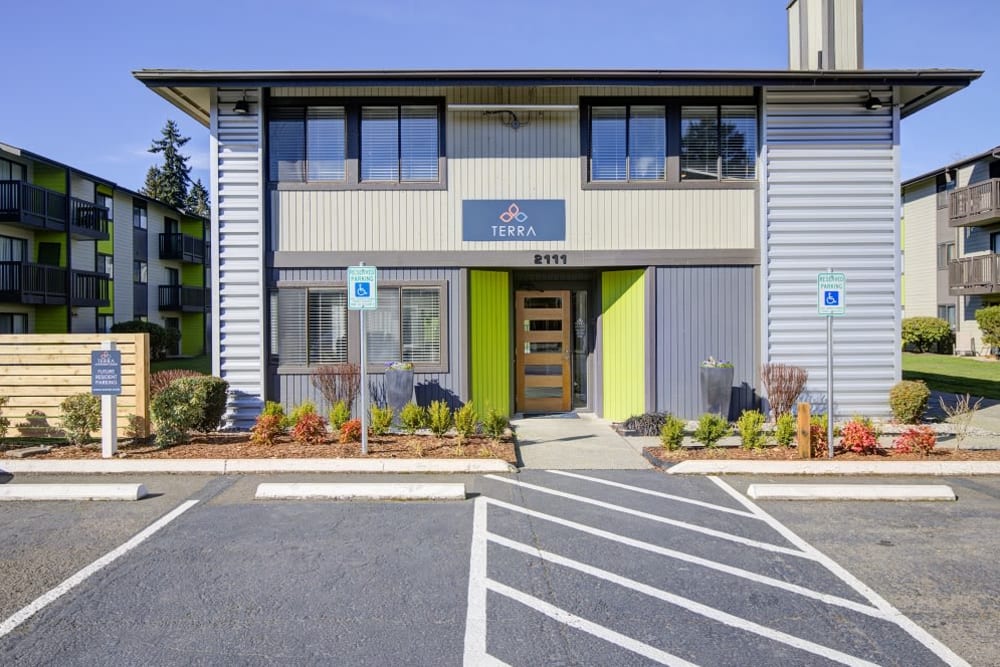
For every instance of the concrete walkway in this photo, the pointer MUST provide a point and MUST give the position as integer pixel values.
(574, 441)
(987, 417)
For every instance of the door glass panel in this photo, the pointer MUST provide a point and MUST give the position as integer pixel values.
(543, 302)
(543, 369)
(543, 392)
(534, 348)
(543, 325)
(581, 348)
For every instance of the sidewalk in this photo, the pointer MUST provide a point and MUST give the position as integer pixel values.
(574, 441)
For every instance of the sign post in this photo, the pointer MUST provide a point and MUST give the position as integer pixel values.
(362, 295)
(106, 382)
(831, 290)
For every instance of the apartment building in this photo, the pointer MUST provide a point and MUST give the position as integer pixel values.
(79, 253)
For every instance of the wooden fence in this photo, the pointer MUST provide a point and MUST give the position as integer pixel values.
(38, 371)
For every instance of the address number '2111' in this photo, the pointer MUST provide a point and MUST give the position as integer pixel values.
(550, 259)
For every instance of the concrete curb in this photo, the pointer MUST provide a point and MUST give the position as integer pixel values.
(240, 466)
(362, 491)
(740, 467)
(851, 492)
(72, 492)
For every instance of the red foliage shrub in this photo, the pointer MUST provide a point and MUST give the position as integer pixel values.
(857, 436)
(266, 430)
(159, 380)
(310, 429)
(350, 431)
(919, 439)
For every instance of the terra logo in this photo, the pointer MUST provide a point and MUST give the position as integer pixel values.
(511, 215)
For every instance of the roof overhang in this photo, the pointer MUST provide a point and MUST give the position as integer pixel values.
(190, 90)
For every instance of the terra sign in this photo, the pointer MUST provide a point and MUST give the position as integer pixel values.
(514, 220)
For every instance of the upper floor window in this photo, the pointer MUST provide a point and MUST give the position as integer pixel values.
(718, 142)
(13, 250)
(945, 253)
(13, 323)
(308, 144)
(399, 143)
(140, 217)
(106, 263)
(108, 202)
(628, 143)
(140, 272)
(11, 171)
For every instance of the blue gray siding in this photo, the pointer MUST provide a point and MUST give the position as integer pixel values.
(703, 311)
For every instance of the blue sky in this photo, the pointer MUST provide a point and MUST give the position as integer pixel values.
(68, 92)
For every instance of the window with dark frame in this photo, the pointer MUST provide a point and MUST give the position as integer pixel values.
(628, 143)
(108, 202)
(945, 253)
(106, 263)
(139, 272)
(140, 217)
(104, 323)
(13, 323)
(11, 171)
(948, 314)
(406, 326)
(718, 142)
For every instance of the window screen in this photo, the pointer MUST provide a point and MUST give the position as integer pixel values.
(325, 143)
(327, 326)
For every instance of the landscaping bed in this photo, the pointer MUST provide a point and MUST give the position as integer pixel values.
(792, 454)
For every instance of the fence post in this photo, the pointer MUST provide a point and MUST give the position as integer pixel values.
(142, 382)
(803, 432)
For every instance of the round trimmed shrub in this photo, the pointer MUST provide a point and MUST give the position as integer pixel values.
(162, 341)
(924, 334)
(908, 400)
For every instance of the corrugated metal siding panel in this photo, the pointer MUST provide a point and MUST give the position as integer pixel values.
(448, 386)
(80, 187)
(623, 336)
(920, 274)
(489, 340)
(84, 255)
(123, 257)
(704, 311)
(236, 236)
(832, 198)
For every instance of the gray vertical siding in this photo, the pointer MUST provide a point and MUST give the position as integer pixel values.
(294, 387)
(703, 311)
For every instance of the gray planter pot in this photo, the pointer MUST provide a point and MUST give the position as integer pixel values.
(398, 388)
(716, 390)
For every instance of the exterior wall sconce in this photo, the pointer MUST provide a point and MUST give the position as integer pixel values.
(242, 107)
(873, 103)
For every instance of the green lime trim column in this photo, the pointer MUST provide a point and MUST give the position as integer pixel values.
(623, 343)
(489, 340)
(192, 334)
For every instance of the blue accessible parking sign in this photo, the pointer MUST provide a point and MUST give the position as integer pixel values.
(362, 288)
(830, 291)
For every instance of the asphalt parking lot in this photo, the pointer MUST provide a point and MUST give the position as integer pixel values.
(611, 567)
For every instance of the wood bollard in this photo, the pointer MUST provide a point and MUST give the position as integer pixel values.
(803, 433)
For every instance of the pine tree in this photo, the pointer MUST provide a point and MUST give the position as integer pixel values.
(175, 174)
(154, 183)
(197, 200)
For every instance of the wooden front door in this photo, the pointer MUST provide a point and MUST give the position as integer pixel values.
(542, 351)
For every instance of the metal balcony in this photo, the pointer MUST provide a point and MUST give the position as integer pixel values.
(979, 274)
(28, 283)
(32, 206)
(183, 247)
(183, 299)
(91, 288)
(88, 221)
(975, 205)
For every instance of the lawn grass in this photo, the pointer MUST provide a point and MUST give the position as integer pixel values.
(954, 375)
(202, 364)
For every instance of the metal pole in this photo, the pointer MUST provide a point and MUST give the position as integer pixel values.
(829, 385)
(109, 417)
(364, 384)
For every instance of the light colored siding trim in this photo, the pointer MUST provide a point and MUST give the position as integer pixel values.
(80, 187)
(623, 341)
(489, 323)
(515, 94)
(920, 250)
(832, 201)
(237, 254)
(84, 255)
(123, 257)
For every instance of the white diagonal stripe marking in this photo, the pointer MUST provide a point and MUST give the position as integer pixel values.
(688, 604)
(658, 494)
(475, 617)
(695, 560)
(659, 519)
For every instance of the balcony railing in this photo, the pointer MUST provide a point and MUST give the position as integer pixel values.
(183, 247)
(88, 220)
(32, 206)
(24, 282)
(91, 288)
(975, 205)
(979, 274)
(184, 299)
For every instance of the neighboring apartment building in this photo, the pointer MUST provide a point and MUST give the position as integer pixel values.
(952, 242)
(79, 253)
(561, 239)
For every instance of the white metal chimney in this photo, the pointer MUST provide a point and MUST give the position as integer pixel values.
(825, 34)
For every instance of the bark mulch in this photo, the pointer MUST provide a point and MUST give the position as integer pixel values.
(791, 454)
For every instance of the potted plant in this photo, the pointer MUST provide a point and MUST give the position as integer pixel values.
(716, 386)
(398, 384)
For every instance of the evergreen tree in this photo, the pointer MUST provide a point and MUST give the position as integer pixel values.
(175, 174)
(197, 200)
(154, 183)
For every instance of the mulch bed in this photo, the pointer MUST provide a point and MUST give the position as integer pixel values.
(792, 454)
(238, 446)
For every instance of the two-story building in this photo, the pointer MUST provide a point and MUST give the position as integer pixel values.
(952, 245)
(79, 253)
(551, 240)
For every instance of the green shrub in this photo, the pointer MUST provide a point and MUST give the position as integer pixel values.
(175, 411)
(495, 424)
(412, 417)
(988, 320)
(439, 418)
(339, 414)
(908, 400)
(923, 334)
(81, 415)
(711, 429)
(672, 432)
(785, 430)
(273, 408)
(4, 421)
(138, 428)
(303, 408)
(466, 420)
(162, 341)
(160, 379)
(211, 393)
(751, 428)
(381, 420)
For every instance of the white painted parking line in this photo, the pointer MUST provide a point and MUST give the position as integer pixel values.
(896, 492)
(51, 596)
(685, 603)
(695, 560)
(72, 492)
(658, 494)
(475, 615)
(574, 621)
(359, 491)
(659, 519)
(892, 614)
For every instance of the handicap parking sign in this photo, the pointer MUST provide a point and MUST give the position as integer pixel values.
(362, 288)
(830, 290)
(831, 298)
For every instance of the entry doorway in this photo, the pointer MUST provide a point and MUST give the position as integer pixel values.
(551, 347)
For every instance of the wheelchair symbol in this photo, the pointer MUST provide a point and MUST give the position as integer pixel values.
(831, 298)
(361, 289)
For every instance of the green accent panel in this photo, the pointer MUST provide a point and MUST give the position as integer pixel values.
(489, 340)
(50, 319)
(107, 247)
(192, 228)
(193, 275)
(623, 332)
(52, 178)
(52, 237)
(192, 334)
(110, 308)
